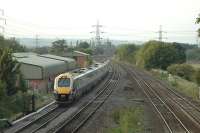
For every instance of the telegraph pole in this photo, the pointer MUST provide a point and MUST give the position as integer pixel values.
(160, 34)
(97, 33)
(3, 19)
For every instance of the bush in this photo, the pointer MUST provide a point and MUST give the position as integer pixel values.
(128, 120)
(185, 71)
(15, 104)
(197, 76)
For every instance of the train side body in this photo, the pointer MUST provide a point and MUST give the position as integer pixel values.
(70, 86)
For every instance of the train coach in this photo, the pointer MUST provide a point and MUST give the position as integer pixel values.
(70, 86)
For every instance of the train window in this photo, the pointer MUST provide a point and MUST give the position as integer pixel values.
(64, 82)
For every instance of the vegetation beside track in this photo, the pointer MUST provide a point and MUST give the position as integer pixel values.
(127, 120)
(152, 54)
(15, 97)
(184, 86)
(168, 57)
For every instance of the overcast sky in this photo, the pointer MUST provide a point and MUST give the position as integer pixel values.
(122, 19)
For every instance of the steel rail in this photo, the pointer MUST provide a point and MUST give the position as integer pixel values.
(134, 75)
(42, 118)
(78, 114)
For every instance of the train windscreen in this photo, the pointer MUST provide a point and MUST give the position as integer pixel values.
(64, 82)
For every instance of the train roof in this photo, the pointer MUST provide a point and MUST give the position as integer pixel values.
(83, 71)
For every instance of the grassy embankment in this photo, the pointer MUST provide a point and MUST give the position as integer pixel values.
(184, 86)
(127, 120)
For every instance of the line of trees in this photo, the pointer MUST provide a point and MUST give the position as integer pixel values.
(160, 55)
(155, 54)
(59, 47)
(127, 52)
(12, 44)
(152, 54)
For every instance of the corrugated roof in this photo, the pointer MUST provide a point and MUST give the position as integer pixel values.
(49, 66)
(23, 54)
(81, 53)
(57, 57)
(40, 61)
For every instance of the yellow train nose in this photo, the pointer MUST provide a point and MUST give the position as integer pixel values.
(63, 90)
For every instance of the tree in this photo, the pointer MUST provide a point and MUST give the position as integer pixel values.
(180, 52)
(9, 69)
(193, 54)
(83, 45)
(12, 44)
(127, 52)
(59, 46)
(2, 90)
(156, 54)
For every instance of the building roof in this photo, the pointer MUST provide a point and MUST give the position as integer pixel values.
(49, 64)
(39, 61)
(57, 57)
(81, 53)
(23, 54)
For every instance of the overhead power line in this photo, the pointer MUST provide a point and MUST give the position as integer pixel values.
(160, 34)
(97, 33)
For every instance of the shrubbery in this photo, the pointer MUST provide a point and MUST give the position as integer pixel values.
(185, 71)
(197, 76)
(11, 105)
(128, 120)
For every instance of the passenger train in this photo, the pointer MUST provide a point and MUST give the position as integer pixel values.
(71, 85)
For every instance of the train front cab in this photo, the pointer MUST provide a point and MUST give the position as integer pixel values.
(62, 90)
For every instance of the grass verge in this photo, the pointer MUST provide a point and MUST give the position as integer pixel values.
(127, 120)
(184, 86)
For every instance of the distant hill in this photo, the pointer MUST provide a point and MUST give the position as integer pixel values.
(31, 42)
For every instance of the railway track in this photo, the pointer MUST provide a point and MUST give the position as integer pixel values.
(44, 120)
(186, 110)
(76, 121)
(172, 122)
(52, 113)
(182, 104)
(33, 119)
